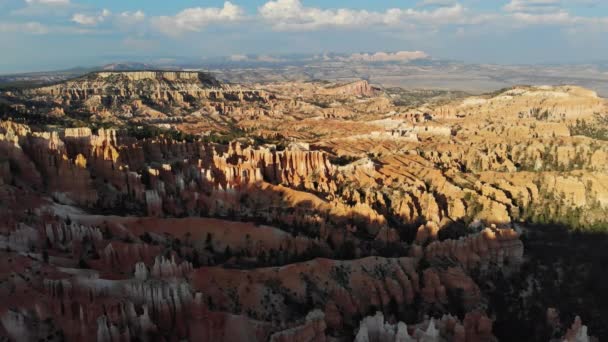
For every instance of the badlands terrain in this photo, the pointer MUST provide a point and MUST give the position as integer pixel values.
(170, 206)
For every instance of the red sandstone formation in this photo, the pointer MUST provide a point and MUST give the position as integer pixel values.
(264, 292)
(359, 88)
(491, 246)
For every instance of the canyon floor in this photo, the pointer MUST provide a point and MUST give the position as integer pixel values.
(170, 206)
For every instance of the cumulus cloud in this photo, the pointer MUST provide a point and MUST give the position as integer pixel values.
(90, 20)
(533, 6)
(195, 19)
(84, 19)
(555, 18)
(291, 15)
(401, 56)
(552, 12)
(427, 16)
(562, 19)
(136, 16)
(130, 22)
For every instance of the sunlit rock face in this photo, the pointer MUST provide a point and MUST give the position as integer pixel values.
(359, 88)
(115, 88)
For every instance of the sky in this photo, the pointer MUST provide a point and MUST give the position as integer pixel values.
(40, 35)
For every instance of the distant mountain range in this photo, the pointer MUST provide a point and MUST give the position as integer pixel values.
(407, 69)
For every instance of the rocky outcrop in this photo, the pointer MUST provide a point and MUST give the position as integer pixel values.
(358, 88)
(577, 332)
(164, 268)
(114, 88)
(491, 247)
(58, 234)
(375, 329)
(126, 257)
(569, 102)
(151, 96)
(151, 75)
(476, 327)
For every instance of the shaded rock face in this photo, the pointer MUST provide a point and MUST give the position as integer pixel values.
(107, 280)
(491, 246)
(280, 293)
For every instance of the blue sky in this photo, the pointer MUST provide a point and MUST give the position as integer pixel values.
(51, 34)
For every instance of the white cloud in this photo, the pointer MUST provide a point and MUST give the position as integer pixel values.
(533, 6)
(136, 16)
(123, 20)
(291, 15)
(555, 18)
(195, 19)
(401, 56)
(550, 12)
(562, 19)
(427, 17)
(84, 19)
(90, 20)
(444, 15)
